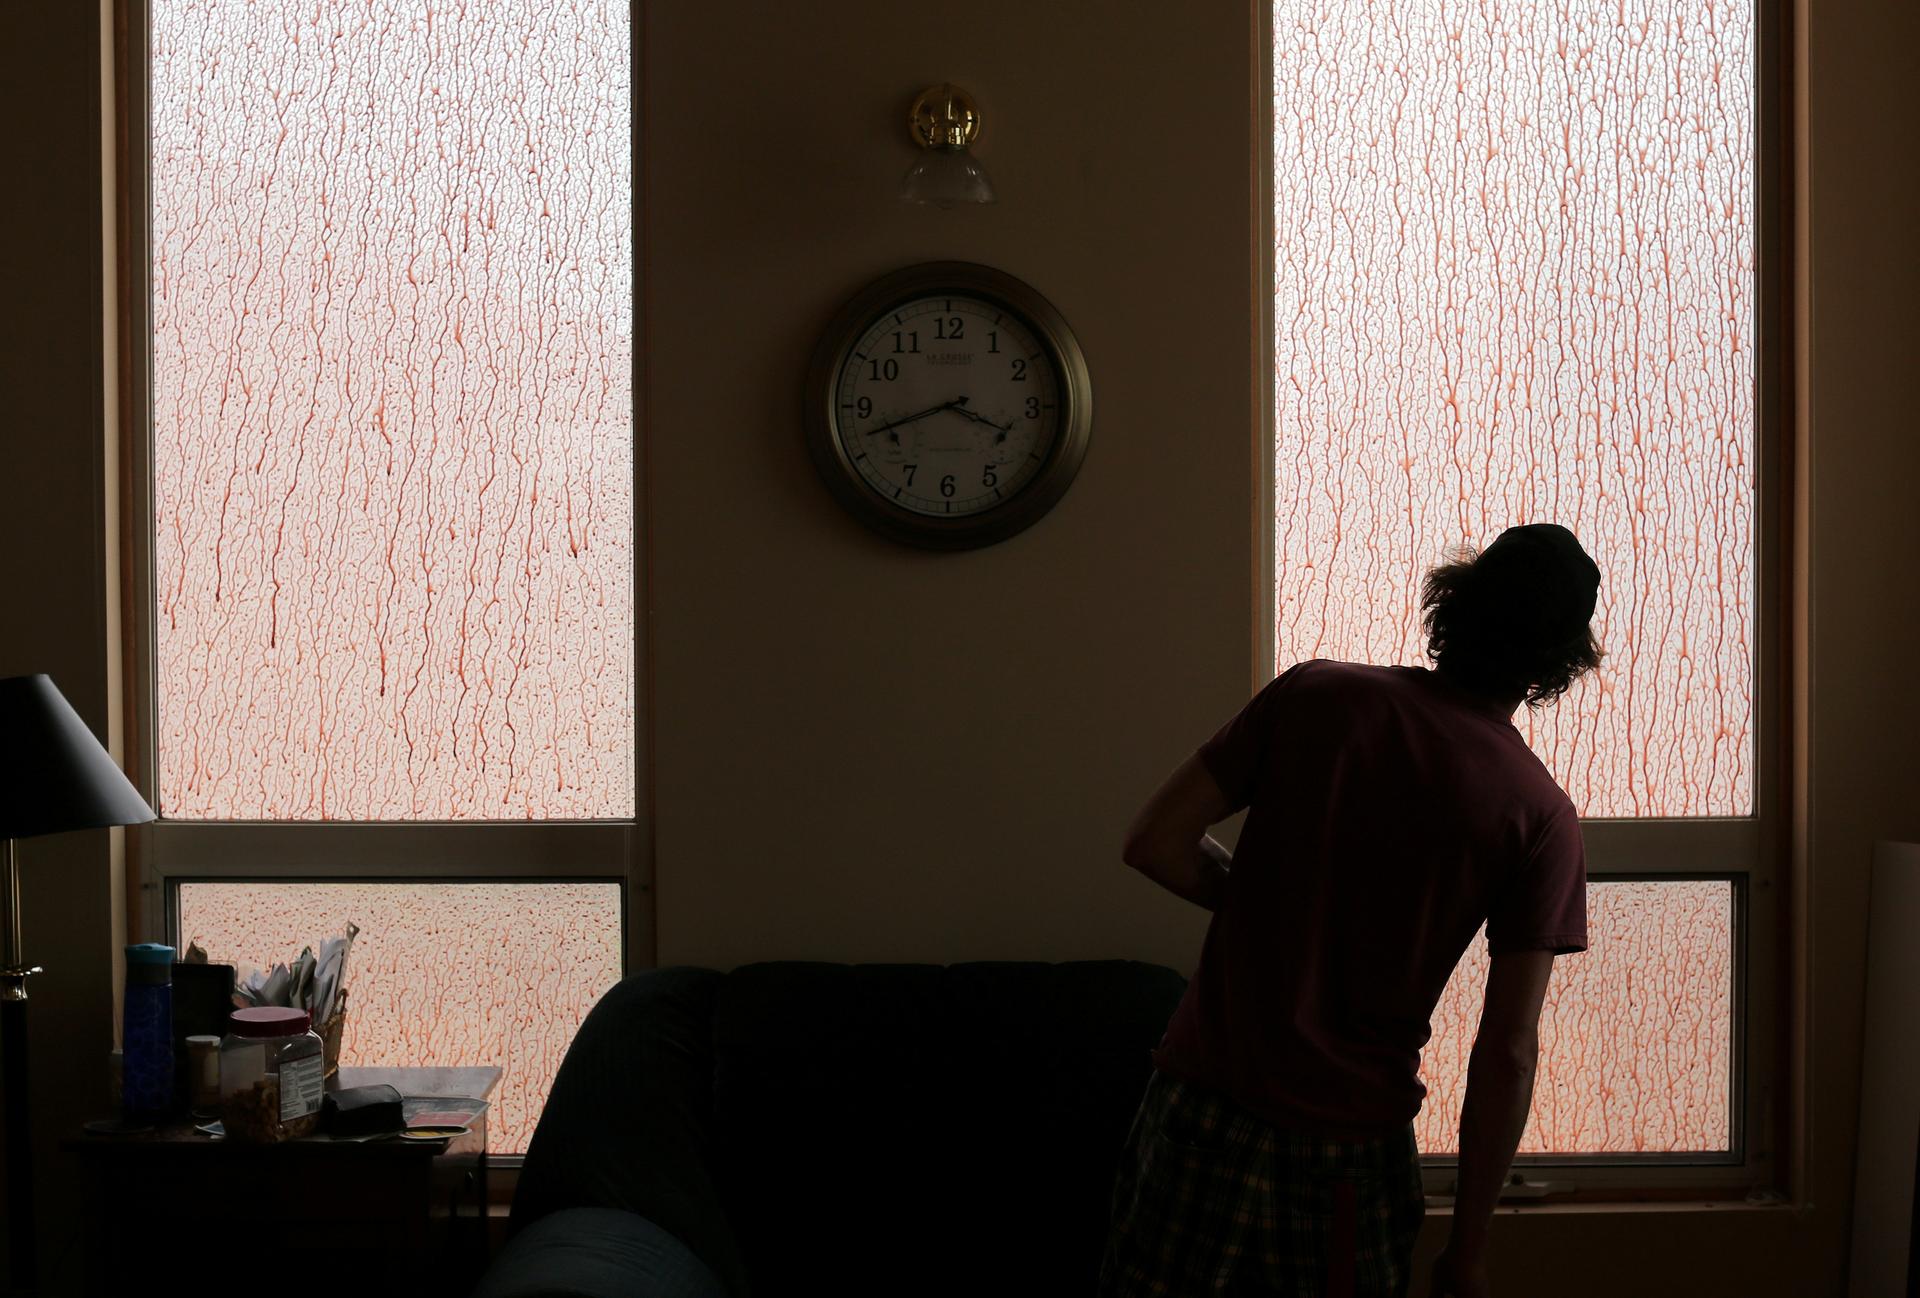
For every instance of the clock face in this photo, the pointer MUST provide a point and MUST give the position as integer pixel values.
(948, 405)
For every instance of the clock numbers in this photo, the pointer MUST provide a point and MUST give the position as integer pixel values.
(934, 400)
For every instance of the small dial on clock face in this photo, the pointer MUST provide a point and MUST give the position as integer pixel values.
(948, 405)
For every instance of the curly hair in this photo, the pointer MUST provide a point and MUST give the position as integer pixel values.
(1486, 638)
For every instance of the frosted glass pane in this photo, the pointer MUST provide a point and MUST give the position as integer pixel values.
(454, 975)
(1636, 1038)
(392, 410)
(1514, 282)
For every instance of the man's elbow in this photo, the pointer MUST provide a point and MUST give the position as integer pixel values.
(1140, 849)
(1510, 1055)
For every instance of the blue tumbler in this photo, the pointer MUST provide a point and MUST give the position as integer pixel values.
(146, 1066)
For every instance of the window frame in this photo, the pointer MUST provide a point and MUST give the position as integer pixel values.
(1752, 850)
(166, 853)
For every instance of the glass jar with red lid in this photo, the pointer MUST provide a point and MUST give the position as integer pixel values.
(271, 1072)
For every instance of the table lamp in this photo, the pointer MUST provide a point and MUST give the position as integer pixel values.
(54, 777)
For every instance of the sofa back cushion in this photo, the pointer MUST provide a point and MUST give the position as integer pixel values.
(925, 1129)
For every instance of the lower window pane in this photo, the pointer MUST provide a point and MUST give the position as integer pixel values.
(447, 974)
(1636, 1039)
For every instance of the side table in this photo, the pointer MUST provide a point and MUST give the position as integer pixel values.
(376, 1217)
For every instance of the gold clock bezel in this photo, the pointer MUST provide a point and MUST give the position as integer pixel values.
(1049, 482)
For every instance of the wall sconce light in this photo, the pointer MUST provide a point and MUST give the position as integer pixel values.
(943, 121)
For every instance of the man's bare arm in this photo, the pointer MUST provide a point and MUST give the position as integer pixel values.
(1168, 840)
(1499, 1093)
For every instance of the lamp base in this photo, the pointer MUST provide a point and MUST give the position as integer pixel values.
(21, 1267)
(13, 981)
(14, 970)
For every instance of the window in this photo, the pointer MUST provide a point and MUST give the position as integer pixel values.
(1515, 279)
(1636, 1037)
(388, 484)
(443, 972)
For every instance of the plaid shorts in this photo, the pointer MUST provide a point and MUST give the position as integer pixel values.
(1211, 1199)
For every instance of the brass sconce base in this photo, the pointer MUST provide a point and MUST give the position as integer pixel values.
(944, 116)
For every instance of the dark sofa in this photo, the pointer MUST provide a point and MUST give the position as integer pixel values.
(811, 1129)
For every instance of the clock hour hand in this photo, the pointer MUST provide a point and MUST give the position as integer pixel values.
(960, 408)
(907, 419)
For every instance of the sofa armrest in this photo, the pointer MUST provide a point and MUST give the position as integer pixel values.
(597, 1253)
(628, 1123)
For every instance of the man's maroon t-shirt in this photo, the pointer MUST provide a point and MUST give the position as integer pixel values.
(1390, 814)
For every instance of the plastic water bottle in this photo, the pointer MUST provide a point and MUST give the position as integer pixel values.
(146, 1086)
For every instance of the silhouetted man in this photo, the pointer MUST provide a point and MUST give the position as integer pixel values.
(1391, 811)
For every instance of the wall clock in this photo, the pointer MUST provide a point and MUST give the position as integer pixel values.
(948, 406)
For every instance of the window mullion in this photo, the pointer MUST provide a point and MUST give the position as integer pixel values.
(1685, 848)
(589, 849)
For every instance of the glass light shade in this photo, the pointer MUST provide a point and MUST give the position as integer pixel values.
(945, 175)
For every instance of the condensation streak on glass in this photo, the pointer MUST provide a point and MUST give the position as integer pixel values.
(392, 410)
(455, 975)
(1514, 282)
(1636, 1038)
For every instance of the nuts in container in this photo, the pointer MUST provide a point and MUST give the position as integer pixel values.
(270, 1075)
(253, 1115)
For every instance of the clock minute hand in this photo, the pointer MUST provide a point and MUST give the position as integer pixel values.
(930, 410)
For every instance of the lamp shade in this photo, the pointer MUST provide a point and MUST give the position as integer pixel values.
(54, 775)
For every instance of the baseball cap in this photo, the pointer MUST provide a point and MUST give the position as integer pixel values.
(1540, 582)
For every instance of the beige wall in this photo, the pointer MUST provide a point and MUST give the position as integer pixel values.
(53, 607)
(870, 753)
(865, 753)
(1863, 489)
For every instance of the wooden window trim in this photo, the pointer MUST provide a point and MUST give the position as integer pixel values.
(1754, 848)
(169, 851)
